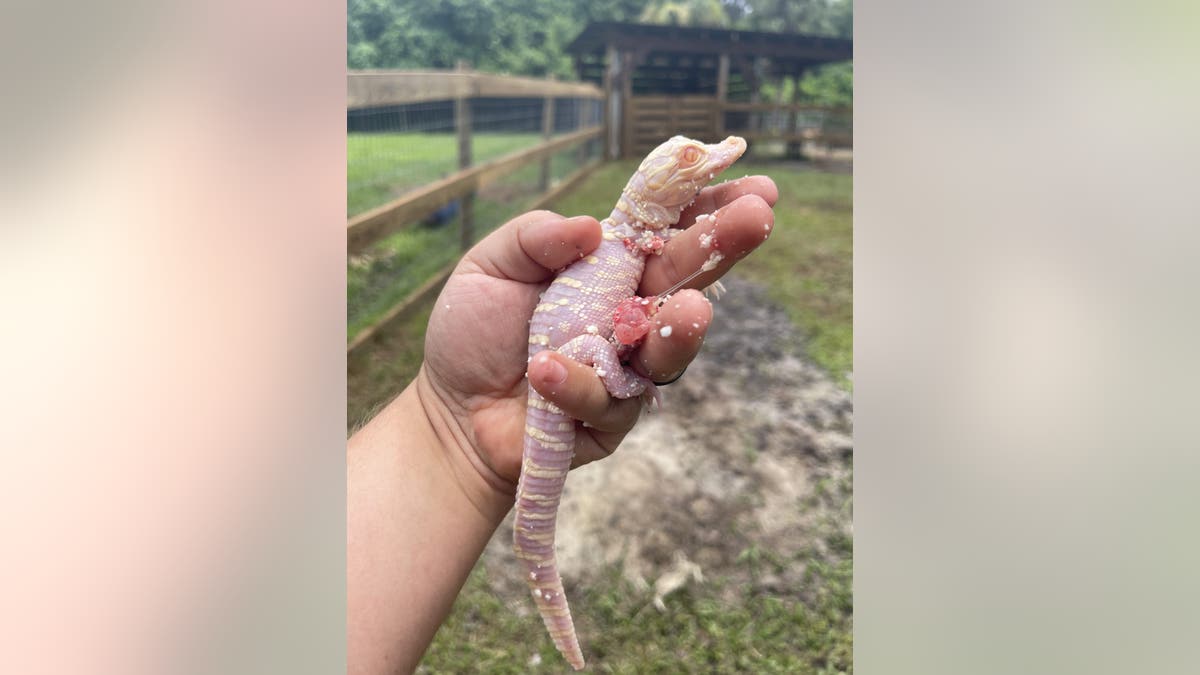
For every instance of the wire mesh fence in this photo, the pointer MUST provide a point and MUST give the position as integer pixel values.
(787, 130)
(394, 150)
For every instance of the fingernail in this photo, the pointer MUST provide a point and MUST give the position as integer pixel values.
(553, 372)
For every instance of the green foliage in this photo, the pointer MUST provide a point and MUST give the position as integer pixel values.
(818, 17)
(686, 13)
(519, 37)
(830, 85)
(529, 37)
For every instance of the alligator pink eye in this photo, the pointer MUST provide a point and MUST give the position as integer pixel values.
(690, 155)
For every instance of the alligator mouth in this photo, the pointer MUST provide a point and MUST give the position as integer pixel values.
(722, 155)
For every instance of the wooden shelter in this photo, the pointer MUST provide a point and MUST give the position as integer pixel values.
(704, 82)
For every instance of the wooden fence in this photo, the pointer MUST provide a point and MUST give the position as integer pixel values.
(383, 88)
(647, 120)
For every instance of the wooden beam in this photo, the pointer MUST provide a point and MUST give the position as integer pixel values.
(722, 94)
(547, 132)
(626, 104)
(462, 125)
(369, 88)
(790, 107)
(612, 103)
(367, 228)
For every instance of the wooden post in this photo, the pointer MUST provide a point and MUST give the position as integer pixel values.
(755, 84)
(547, 132)
(612, 102)
(462, 124)
(584, 106)
(795, 146)
(722, 96)
(627, 104)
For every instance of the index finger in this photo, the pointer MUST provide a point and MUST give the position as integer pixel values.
(718, 196)
(733, 232)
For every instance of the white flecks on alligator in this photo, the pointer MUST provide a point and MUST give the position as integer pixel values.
(713, 258)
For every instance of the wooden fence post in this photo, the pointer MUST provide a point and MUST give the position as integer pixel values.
(547, 132)
(462, 124)
(584, 106)
(612, 103)
(722, 96)
(627, 105)
(795, 145)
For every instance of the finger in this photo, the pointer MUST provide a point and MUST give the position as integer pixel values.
(531, 246)
(577, 389)
(712, 198)
(675, 339)
(739, 228)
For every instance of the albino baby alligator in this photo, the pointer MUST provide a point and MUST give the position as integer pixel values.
(588, 302)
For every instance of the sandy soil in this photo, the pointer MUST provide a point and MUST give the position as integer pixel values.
(753, 448)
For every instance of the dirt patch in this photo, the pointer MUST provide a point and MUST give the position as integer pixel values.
(751, 453)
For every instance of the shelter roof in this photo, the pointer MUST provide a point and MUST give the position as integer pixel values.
(784, 49)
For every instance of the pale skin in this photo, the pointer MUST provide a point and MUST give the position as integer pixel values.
(431, 477)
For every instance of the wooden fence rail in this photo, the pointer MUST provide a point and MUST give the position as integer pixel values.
(368, 88)
(368, 228)
(381, 88)
(428, 290)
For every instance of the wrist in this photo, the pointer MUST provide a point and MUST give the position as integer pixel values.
(417, 523)
(473, 480)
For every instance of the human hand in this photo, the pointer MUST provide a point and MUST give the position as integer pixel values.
(472, 385)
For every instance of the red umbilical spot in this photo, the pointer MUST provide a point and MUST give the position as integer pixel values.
(631, 320)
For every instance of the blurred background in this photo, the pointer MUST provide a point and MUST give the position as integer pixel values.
(1024, 377)
(720, 538)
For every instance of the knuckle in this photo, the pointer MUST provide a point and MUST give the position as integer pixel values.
(541, 215)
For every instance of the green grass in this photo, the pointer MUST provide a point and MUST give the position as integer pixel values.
(807, 264)
(728, 623)
(382, 166)
(399, 263)
(762, 632)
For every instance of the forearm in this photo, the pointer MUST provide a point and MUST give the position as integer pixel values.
(413, 535)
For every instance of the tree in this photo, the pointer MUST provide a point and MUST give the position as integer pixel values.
(686, 13)
(521, 37)
(818, 17)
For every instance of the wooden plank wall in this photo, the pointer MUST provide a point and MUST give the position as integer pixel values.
(650, 120)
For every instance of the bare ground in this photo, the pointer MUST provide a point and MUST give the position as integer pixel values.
(752, 452)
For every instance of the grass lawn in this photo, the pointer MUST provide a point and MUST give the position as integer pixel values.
(381, 167)
(759, 633)
(397, 264)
